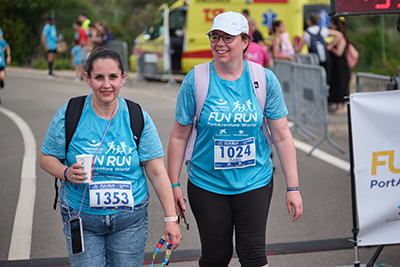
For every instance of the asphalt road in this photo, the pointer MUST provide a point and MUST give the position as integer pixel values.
(33, 236)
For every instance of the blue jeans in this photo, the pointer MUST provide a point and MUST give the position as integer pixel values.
(111, 240)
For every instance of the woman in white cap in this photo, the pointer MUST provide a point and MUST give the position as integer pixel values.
(232, 196)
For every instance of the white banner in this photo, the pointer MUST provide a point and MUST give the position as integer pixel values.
(375, 122)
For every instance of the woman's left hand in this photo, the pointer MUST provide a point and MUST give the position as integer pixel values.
(171, 229)
(293, 199)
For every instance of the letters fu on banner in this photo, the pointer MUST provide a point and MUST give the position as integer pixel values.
(375, 122)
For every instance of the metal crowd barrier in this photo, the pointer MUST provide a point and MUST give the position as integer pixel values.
(154, 65)
(285, 72)
(283, 69)
(367, 82)
(311, 58)
(121, 47)
(306, 95)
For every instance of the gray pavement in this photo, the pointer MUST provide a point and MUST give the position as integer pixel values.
(308, 242)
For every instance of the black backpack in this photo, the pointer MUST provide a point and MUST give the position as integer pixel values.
(73, 115)
(318, 46)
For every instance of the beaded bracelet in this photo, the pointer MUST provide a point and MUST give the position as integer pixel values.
(167, 253)
(65, 174)
(293, 189)
(175, 185)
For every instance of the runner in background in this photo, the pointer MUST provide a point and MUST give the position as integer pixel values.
(3, 60)
(49, 41)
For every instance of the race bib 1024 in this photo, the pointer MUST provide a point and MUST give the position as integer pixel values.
(234, 153)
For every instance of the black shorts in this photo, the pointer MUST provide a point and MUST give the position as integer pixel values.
(218, 216)
(2, 68)
(51, 51)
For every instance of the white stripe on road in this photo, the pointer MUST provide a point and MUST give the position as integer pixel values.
(328, 158)
(20, 246)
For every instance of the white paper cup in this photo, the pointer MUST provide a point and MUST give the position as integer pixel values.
(86, 160)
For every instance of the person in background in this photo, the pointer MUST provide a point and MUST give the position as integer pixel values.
(85, 21)
(113, 236)
(176, 35)
(83, 40)
(257, 54)
(280, 45)
(76, 60)
(256, 35)
(92, 35)
(227, 199)
(49, 41)
(341, 74)
(104, 35)
(3, 60)
(314, 29)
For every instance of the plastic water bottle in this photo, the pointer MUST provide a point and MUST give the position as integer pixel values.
(60, 37)
(321, 52)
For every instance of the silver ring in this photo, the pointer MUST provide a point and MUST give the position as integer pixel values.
(73, 176)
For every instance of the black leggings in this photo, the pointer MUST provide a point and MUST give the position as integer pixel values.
(218, 216)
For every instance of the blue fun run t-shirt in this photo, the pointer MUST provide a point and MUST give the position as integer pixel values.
(3, 46)
(231, 154)
(51, 36)
(117, 159)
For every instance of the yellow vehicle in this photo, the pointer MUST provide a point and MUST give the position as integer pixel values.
(194, 18)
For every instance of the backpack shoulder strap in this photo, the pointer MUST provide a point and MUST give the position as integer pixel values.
(201, 84)
(137, 121)
(72, 117)
(260, 88)
(259, 83)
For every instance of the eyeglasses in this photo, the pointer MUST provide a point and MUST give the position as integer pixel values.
(214, 38)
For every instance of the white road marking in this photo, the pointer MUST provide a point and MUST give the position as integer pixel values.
(20, 246)
(319, 154)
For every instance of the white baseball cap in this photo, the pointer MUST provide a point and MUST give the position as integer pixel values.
(232, 23)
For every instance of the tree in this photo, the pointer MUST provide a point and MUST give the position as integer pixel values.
(22, 21)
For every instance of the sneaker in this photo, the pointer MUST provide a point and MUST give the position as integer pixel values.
(51, 76)
(1, 84)
(77, 79)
